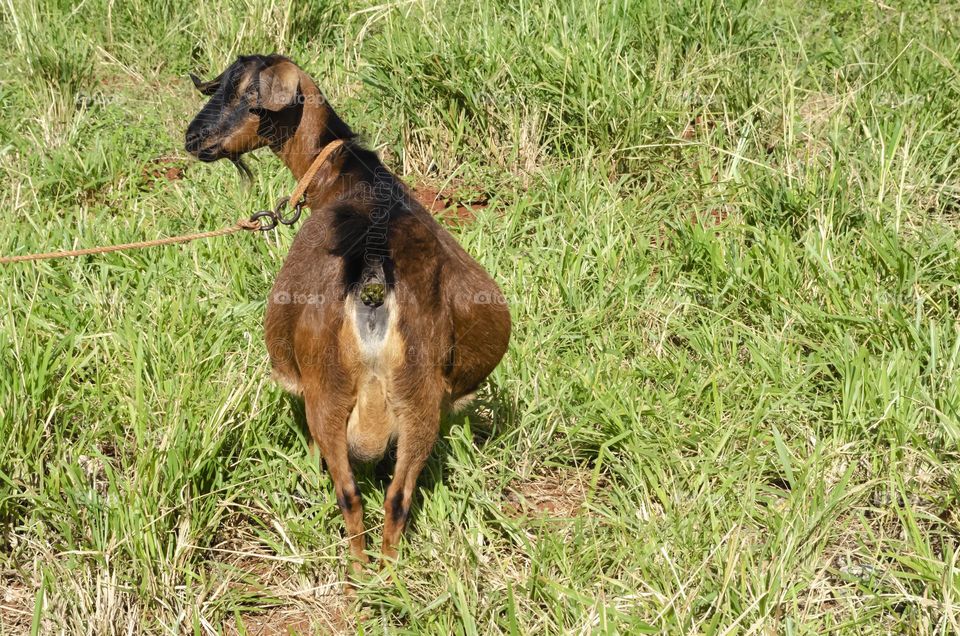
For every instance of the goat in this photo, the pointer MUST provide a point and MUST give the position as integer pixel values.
(378, 318)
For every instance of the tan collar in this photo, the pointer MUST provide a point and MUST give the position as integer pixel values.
(296, 197)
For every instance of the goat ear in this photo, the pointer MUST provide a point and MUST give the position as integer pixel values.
(207, 88)
(277, 86)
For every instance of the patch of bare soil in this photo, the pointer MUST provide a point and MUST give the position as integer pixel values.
(300, 602)
(162, 168)
(303, 609)
(559, 494)
(307, 604)
(16, 606)
(450, 206)
(279, 622)
(698, 127)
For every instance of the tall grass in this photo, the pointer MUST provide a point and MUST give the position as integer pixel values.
(728, 233)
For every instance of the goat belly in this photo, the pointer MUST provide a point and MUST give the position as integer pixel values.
(372, 425)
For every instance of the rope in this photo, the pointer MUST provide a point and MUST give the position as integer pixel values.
(242, 224)
(250, 224)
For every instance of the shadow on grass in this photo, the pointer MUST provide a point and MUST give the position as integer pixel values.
(486, 417)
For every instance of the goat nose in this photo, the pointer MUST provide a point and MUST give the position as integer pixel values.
(194, 139)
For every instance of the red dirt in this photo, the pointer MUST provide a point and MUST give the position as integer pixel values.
(448, 206)
(167, 168)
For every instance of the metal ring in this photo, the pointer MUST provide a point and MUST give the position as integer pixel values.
(297, 210)
(276, 217)
(265, 214)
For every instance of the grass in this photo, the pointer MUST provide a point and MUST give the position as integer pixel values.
(728, 232)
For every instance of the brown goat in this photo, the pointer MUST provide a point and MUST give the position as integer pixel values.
(378, 317)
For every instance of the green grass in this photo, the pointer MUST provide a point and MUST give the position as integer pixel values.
(728, 232)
